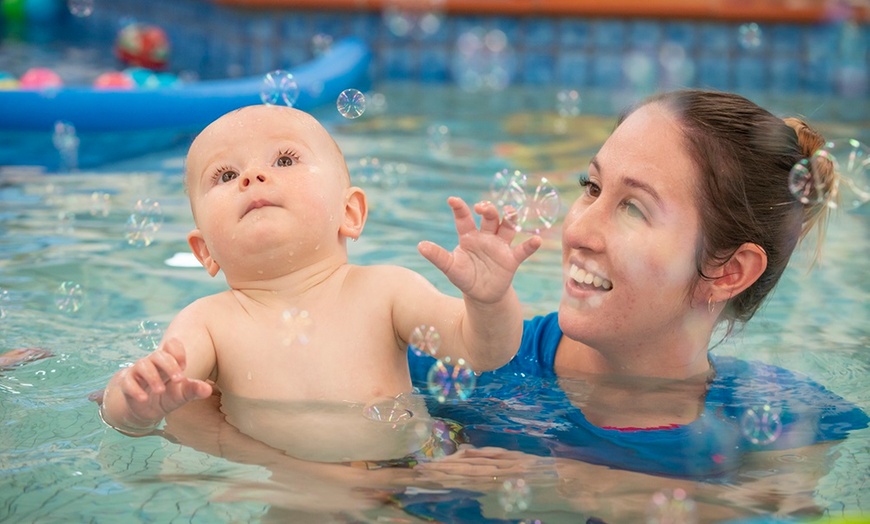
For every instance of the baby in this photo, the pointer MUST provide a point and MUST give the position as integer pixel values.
(273, 209)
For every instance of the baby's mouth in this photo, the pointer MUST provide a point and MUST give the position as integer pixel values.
(581, 276)
(256, 204)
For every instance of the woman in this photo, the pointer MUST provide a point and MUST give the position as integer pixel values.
(686, 221)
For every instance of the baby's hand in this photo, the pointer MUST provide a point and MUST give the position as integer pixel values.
(483, 264)
(154, 386)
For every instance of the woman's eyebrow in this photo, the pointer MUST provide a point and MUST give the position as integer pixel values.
(634, 183)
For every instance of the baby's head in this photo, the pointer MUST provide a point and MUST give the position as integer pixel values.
(268, 179)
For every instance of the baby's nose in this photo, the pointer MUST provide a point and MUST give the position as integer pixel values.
(249, 179)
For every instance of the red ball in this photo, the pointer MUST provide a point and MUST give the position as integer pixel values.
(40, 78)
(142, 45)
(114, 80)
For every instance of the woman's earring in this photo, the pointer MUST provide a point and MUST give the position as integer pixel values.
(710, 304)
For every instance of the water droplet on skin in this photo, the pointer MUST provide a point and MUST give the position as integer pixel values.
(249, 375)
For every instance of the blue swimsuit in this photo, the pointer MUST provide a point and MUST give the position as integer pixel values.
(749, 406)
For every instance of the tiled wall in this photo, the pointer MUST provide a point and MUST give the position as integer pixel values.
(831, 58)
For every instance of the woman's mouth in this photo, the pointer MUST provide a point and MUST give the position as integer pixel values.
(587, 278)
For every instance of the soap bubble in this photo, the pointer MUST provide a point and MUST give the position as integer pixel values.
(100, 204)
(671, 507)
(297, 325)
(149, 335)
(540, 210)
(514, 495)
(749, 36)
(568, 102)
(80, 8)
(4, 300)
(321, 43)
(279, 86)
(450, 383)
(761, 425)
(66, 141)
(388, 410)
(508, 188)
(851, 160)
(425, 340)
(483, 60)
(351, 103)
(69, 297)
(144, 222)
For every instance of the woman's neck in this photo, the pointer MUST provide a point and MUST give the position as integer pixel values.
(672, 362)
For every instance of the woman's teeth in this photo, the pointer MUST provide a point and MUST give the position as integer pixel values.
(584, 277)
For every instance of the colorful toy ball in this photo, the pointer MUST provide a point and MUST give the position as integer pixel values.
(114, 80)
(142, 45)
(40, 78)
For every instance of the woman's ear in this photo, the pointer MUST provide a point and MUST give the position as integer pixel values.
(201, 252)
(355, 213)
(740, 271)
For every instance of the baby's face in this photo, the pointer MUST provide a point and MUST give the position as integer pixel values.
(265, 177)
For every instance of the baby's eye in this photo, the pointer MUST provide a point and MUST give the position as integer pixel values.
(224, 175)
(285, 161)
(286, 158)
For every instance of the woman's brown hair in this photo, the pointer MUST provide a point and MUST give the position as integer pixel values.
(745, 156)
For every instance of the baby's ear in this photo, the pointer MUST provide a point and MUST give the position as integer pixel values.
(355, 213)
(201, 252)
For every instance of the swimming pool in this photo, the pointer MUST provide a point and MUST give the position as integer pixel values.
(93, 268)
(91, 271)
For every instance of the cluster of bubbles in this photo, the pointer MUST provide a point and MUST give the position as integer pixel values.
(762, 425)
(80, 8)
(149, 335)
(534, 208)
(445, 381)
(144, 223)
(671, 506)
(418, 19)
(370, 170)
(484, 60)
(515, 495)
(69, 297)
(850, 189)
(297, 325)
(4, 300)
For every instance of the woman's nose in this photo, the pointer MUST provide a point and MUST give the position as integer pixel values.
(584, 226)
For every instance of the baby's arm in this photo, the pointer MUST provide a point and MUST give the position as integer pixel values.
(138, 397)
(483, 265)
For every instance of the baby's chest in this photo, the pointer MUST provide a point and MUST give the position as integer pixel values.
(303, 356)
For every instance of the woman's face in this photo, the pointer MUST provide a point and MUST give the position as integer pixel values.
(629, 241)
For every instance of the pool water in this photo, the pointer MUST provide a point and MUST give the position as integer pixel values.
(94, 266)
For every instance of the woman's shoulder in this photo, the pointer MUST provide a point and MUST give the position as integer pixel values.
(772, 399)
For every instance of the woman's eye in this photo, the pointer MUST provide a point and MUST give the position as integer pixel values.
(226, 176)
(285, 161)
(633, 211)
(590, 187)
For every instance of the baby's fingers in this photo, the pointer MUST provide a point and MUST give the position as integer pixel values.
(527, 249)
(437, 255)
(462, 216)
(489, 222)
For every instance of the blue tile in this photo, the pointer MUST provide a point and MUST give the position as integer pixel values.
(539, 32)
(714, 72)
(715, 37)
(608, 34)
(644, 34)
(537, 69)
(572, 69)
(607, 70)
(750, 73)
(574, 33)
(682, 34)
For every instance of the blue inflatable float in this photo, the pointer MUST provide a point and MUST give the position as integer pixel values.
(111, 123)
